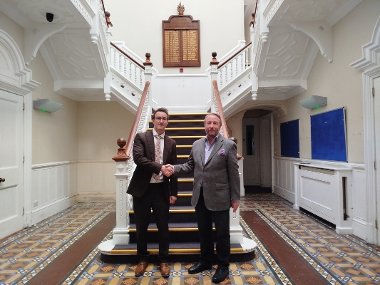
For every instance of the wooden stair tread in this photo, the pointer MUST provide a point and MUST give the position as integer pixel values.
(177, 209)
(173, 227)
(186, 121)
(185, 179)
(187, 137)
(182, 128)
(174, 248)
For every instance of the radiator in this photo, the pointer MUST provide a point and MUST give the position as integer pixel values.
(322, 190)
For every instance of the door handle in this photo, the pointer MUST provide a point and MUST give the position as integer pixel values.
(2, 179)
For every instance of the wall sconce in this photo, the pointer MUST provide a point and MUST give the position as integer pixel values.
(46, 105)
(314, 102)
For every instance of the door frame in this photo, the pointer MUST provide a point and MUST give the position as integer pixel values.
(20, 82)
(377, 152)
(369, 65)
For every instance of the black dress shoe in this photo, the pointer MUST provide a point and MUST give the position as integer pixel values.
(221, 273)
(199, 267)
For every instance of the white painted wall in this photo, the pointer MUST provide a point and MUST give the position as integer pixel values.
(54, 134)
(139, 24)
(99, 125)
(182, 93)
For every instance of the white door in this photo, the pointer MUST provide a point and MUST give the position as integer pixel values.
(376, 105)
(251, 153)
(11, 163)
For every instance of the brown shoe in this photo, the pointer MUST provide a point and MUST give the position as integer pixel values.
(165, 270)
(140, 268)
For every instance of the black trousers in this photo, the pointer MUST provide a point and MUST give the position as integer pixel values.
(155, 199)
(221, 220)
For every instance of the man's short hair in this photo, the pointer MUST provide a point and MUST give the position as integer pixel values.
(216, 115)
(161, 109)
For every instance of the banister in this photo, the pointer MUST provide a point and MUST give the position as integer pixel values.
(137, 118)
(132, 133)
(124, 53)
(235, 54)
(106, 15)
(253, 21)
(219, 106)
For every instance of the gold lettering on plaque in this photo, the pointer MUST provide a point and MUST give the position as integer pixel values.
(172, 53)
(190, 45)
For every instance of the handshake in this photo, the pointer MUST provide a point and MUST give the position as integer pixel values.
(167, 170)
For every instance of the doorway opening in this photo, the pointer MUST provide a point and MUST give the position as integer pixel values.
(257, 151)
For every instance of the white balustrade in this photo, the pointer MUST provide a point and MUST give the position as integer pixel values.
(127, 67)
(234, 67)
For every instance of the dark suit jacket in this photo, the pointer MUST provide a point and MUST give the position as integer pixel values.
(218, 176)
(144, 157)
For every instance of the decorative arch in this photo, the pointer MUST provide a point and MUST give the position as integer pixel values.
(14, 75)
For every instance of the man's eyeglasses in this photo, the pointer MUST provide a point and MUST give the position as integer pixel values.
(161, 118)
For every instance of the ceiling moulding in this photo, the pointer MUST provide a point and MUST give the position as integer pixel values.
(36, 35)
(321, 33)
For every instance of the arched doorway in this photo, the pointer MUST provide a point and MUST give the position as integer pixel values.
(16, 85)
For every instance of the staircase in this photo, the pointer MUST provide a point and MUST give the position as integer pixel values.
(184, 239)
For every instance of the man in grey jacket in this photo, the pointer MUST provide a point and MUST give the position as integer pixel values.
(216, 188)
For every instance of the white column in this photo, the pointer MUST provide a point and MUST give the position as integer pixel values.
(120, 232)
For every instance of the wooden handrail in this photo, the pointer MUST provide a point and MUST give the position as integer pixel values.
(137, 118)
(108, 23)
(220, 108)
(232, 56)
(254, 15)
(128, 147)
(123, 52)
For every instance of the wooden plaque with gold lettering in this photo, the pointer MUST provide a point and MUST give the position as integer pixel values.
(180, 38)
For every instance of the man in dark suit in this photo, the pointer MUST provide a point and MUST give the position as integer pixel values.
(216, 188)
(151, 190)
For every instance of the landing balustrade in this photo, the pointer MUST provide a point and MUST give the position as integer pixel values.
(235, 65)
(127, 66)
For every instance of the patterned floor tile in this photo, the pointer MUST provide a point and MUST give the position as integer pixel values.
(338, 255)
(27, 252)
(341, 259)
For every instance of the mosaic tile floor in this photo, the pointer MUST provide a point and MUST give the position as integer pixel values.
(341, 259)
(27, 252)
(262, 270)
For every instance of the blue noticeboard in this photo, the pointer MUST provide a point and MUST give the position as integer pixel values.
(290, 143)
(328, 135)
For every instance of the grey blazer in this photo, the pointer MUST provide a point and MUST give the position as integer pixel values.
(219, 175)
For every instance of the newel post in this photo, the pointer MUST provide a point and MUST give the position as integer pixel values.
(121, 231)
(148, 67)
(214, 66)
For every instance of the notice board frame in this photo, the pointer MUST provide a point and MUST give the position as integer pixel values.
(289, 137)
(181, 41)
(328, 135)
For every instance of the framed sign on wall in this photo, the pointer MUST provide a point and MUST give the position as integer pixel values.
(181, 40)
